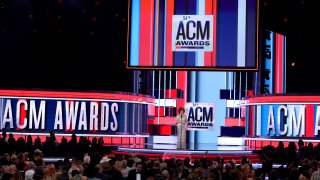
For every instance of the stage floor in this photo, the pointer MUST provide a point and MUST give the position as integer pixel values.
(190, 147)
(194, 152)
(211, 151)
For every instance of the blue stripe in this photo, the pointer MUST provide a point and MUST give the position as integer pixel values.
(315, 117)
(155, 59)
(192, 9)
(180, 58)
(208, 86)
(180, 8)
(269, 64)
(161, 36)
(227, 20)
(185, 7)
(135, 31)
(264, 119)
(164, 32)
(284, 53)
(251, 33)
(191, 57)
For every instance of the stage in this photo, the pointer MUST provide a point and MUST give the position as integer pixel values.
(211, 151)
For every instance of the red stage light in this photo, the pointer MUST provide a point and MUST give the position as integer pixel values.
(94, 19)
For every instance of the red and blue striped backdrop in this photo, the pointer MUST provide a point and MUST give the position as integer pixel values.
(235, 34)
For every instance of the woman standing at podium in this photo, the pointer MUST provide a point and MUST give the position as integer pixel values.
(181, 122)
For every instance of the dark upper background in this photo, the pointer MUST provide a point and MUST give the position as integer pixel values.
(81, 44)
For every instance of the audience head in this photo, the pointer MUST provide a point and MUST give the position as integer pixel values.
(29, 174)
(86, 159)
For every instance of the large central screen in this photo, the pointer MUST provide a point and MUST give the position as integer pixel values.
(193, 34)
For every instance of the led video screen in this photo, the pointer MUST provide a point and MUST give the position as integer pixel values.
(193, 34)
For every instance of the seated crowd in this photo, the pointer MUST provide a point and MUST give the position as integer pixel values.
(85, 159)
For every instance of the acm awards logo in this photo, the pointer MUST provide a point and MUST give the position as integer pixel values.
(200, 115)
(192, 32)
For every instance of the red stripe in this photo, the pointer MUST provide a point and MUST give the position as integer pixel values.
(182, 82)
(170, 11)
(213, 59)
(163, 120)
(309, 120)
(208, 55)
(79, 95)
(233, 122)
(146, 33)
(164, 130)
(279, 59)
(159, 111)
(23, 114)
(172, 93)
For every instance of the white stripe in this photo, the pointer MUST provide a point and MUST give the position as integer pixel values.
(258, 121)
(190, 152)
(233, 103)
(283, 139)
(200, 54)
(126, 117)
(90, 135)
(76, 99)
(241, 44)
(279, 103)
(230, 141)
(271, 62)
(166, 102)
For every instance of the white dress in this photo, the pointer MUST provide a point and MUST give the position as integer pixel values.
(181, 131)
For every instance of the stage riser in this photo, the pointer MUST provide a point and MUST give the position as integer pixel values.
(165, 140)
(230, 141)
